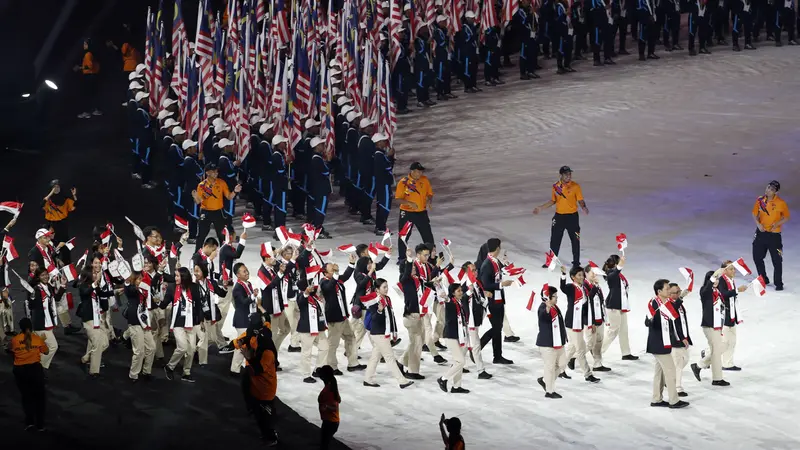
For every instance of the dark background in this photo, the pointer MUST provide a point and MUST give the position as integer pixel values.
(41, 139)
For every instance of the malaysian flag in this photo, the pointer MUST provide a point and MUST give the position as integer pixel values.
(280, 23)
(489, 18)
(192, 118)
(241, 110)
(510, 8)
(326, 112)
(261, 11)
(218, 60)
(303, 79)
(149, 66)
(395, 23)
(230, 80)
(178, 28)
(278, 89)
(204, 47)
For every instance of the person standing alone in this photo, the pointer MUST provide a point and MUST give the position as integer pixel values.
(414, 194)
(27, 348)
(770, 213)
(567, 196)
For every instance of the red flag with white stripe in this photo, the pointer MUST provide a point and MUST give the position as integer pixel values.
(10, 251)
(741, 267)
(70, 272)
(688, 274)
(11, 207)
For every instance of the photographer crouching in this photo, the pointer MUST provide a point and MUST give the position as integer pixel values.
(260, 379)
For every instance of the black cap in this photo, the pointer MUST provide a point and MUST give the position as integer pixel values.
(211, 166)
(55, 183)
(417, 166)
(775, 185)
(564, 169)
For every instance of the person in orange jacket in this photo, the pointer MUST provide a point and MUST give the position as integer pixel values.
(89, 68)
(131, 57)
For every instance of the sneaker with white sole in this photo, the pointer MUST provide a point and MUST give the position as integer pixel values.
(97, 112)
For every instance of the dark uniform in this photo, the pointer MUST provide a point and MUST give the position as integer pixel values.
(648, 30)
(672, 23)
(280, 184)
(383, 166)
(491, 63)
(698, 26)
(742, 22)
(422, 69)
(564, 31)
(320, 180)
(469, 56)
(264, 172)
(400, 75)
(227, 173)
(441, 63)
(192, 175)
(300, 167)
(365, 151)
(529, 49)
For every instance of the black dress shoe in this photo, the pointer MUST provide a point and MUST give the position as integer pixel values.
(414, 376)
(440, 346)
(598, 63)
(459, 390)
(502, 360)
(540, 380)
(661, 404)
(696, 371)
(484, 375)
(682, 394)
(524, 77)
(630, 358)
(732, 368)
(309, 380)
(294, 349)
(337, 372)
(442, 384)
(601, 369)
(396, 341)
(564, 376)
(511, 339)
(534, 75)
(720, 383)
(405, 385)
(553, 395)
(653, 56)
(571, 364)
(465, 370)
(680, 404)
(704, 51)
(779, 288)
(371, 384)
(642, 58)
(425, 348)
(439, 360)
(609, 61)
(592, 379)
(356, 368)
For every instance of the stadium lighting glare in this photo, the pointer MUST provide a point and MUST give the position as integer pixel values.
(26, 95)
(51, 85)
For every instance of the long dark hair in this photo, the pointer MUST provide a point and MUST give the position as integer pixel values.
(707, 278)
(186, 278)
(326, 375)
(26, 327)
(611, 263)
(483, 253)
(85, 276)
(35, 280)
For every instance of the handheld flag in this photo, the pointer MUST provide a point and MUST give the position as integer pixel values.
(405, 233)
(136, 230)
(348, 248)
(70, 244)
(529, 306)
(23, 283)
(10, 251)
(82, 261)
(11, 207)
(622, 243)
(759, 286)
(597, 270)
(551, 261)
(688, 274)
(181, 223)
(70, 272)
(248, 221)
(741, 267)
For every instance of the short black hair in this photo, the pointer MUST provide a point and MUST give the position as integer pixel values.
(236, 267)
(451, 290)
(466, 264)
(672, 285)
(149, 230)
(493, 244)
(148, 257)
(211, 241)
(421, 248)
(575, 270)
(361, 248)
(550, 291)
(379, 282)
(659, 285)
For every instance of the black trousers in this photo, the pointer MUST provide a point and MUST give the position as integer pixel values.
(61, 234)
(648, 34)
(442, 68)
(622, 25)
(264, 188)
(422, 79)
(698, 28)
(298, 196)
(764, 242)
(571, 224)
(528, 52)
(422, 224)
(207, 218)
(279, 206)
(787, 22)
(495, 334)
(264, 412)
(30, 381)
(564, 53)
(320, 210)
(383, 204)
(491, 65)
(367, 195)
(672, 26)
(742, 23)
(327, 430)
(399, 83)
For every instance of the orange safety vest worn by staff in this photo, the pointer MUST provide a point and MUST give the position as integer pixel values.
(566, 197)
(54, 213)
(417, 191)
(768, 212)
(130, 57)
(89, 65)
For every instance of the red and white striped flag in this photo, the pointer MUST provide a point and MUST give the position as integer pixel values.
(510, 8)
(531, 299)
(173, 252)
(596, 269)
(70, 244)
(348, 248)
(405, 233)
(181, 223)
(759, 286)
(10, 250)
(11, 207)
(287, 237)
(82, 261)
(551, 261)
(248, 221)
(741, 267)
(105, 237)
(688, 274)
(70, 272)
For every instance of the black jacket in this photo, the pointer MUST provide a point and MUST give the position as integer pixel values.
(681, 329)
(243, 304)
(595, 291)
(545, 336)
(655, 343)
(477, 311)
(378, 327)
(320, 176)
(410, 287)
(451, 313)
(131, 312)
(304, 304)
(273, 286)
(569, 290)
(615, 287)
(490, 280)
(227, 256)
(207, 303)
(197, 309)
(707, 300)
(36, 307)
(333, 310)
(727, 295)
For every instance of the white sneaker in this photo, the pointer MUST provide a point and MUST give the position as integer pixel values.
(97, 112)
(83, 115)
(136, 176)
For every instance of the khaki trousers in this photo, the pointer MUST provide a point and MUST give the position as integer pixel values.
(413, 353)
(594, 345)
(555, 362)
(238, 356)
(144, 347)
(307, 343)
(167, 314)
(208, 333)
(358, 329)
(6, 320)
(429, 337)
(336, 332)
(293, 314)
(729, 342)
(185, 346)
(281, 329)
(453, 374)
(64, 318)
(50, 340)
(157, 325)
(617, 326)
(713, 353)
(576, 348)
(664, 376)
(680, 356)
(98, 343)
(438, 329)
(382, 346)
(507, 331)
(475, 341)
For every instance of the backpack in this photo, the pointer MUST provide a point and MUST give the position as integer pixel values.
(368, 320)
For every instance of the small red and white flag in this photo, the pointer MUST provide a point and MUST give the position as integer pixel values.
(226, 236)
(10, 250)
(446, 242)
(325, 253)
(267, 251)
(312, 272)
(372, 251)
(70, 244)
(70, 272)
(688, 275)
(381, 248)
(551, 261)
(136, 230)
(173, 252)
(287, 237)
(224, 273)
(405, 233)
(348, 248)
(53, 271)
(82, 261)
(741, 267)
(596, 269)
(311, 232)
(105, 237)
(181, 223)
(22, 282)
(70, 300)
(529, 306)
(11, 207)
(759, 286)
(622, 242)
(520, 281)
(369, 299)
(248, 221)
(387, 236)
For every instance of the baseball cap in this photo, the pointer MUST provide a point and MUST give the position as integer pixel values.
(42, 232)
(169, 122)
(187, 144)
(264, 128)
(775, 185)
(417, 166)
(140, 95)
(210, 166)
(311, 123)
(564, 169)
(378, 137)
(224, 143)
(278, 139)
(315, 141)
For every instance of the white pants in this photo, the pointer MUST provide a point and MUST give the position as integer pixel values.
(664, 376)
(281, 328)
(293, 314)
(594, 345)
(97, 344)
(238, 356)
(307, 343)
(576, 348)
(680, 356)
(475, 341)
(729, 342)
(617, 325)
(358, 329)
(555, 362)
(438, 329)
(413, 353)
(207, 334)
(50, 340)
(157, 323)
(144, 347)
(185, 346)
(453, 374)
(382, 346)
(507, 331)
(6, 319)
(713, 354)
(428, 334)
(337, 332)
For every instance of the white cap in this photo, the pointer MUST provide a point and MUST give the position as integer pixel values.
(335, 80)
(212, 112)
(347, 108)
(140, 67)
(335, 72)
(264, 128)
(407, 7)
(210, 99)
(311, 123)
(278, 139)
(255, 119)
(352, 115)
(315, 141)
(377, 137)
(384, 4)
(133, 75)
(441, 18)
(140, 95)
(469, 15)
(336, 92)
(341, 101)
(177, 131)
(135, 85)
(189, 143)
(218, 122)
(225, 143)
(168, 102)
(42, 232)
(163, 114)
(365, 122)
(169, 122)
(333, 63)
